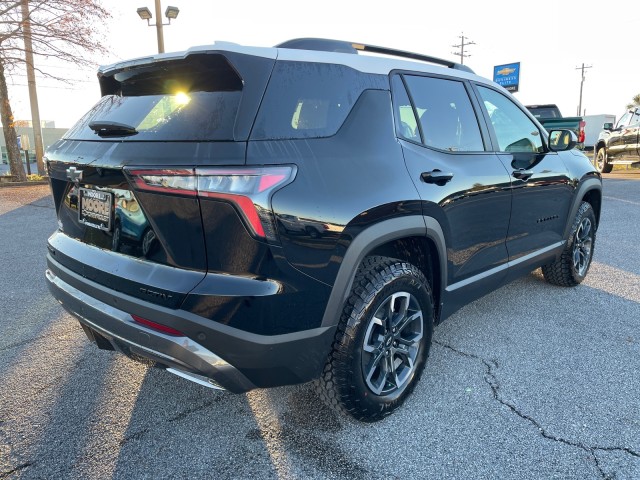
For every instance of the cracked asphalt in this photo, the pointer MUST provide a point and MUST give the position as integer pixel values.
(531, 381)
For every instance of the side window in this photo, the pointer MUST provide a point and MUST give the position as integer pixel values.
(310, 100)
(445, 114)
(515, 131)
(406, 124)
(624, 120)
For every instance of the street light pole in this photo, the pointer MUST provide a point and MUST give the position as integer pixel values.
(33, 94)
(159, 27)
(171, 13)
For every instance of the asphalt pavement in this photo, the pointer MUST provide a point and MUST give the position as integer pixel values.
(531, 381)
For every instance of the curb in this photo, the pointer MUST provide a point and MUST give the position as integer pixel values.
(23, 184)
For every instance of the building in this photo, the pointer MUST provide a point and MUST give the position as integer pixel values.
(49, 137)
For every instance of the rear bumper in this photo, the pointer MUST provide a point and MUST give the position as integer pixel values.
(209, 352)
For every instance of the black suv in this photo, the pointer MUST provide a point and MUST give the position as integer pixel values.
(619, 145)
(253, 217)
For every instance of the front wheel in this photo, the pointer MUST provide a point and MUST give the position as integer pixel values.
(572, 266)
(602, 165)
(382, 341)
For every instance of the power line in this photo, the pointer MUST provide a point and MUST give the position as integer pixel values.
(43, 86)
(464, 42)
(71, 80)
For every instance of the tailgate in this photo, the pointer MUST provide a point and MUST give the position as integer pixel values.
(170, 115)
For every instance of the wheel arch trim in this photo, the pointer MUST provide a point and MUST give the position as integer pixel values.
(587, 185)
(369, 239)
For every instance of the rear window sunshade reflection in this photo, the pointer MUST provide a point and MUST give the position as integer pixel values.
(310, 100)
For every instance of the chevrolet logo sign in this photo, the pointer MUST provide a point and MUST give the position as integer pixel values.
(74, 174)
(506, 71)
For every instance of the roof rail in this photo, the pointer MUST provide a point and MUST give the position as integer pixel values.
(327, 45)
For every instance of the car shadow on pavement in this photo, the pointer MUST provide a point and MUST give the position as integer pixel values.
(277, 432)
(45, 398)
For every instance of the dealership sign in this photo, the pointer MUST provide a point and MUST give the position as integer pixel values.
(507, 76)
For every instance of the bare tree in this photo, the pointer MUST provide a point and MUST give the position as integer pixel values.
(66, 30)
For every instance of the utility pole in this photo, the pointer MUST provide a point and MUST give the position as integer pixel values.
(31, 81)
(464, 41)
(583, 68)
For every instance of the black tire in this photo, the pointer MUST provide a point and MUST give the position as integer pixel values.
(382, 341)
(313, 232)
(601, 162)
(572, 266)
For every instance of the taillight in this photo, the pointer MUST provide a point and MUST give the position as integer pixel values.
(180, 180)
(581, 135)
(157, 326)
(248, 189)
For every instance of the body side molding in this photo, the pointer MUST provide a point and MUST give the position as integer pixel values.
(506, 266)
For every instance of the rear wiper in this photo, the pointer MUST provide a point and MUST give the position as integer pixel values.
(112, 129)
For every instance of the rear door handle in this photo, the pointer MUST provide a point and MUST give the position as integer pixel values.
(436, 176)
(522, 174)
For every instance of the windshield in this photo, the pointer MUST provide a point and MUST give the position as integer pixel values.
(195, 99)
(184, 116)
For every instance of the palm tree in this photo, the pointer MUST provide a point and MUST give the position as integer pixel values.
(635, 102)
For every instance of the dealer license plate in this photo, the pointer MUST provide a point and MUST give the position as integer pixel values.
(94, 208)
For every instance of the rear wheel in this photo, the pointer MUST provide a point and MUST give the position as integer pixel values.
(312, 232)
(382, 341)
(602, 165)
(572, 266)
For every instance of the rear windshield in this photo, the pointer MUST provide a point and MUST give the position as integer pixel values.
(310, 100)
(544, 112)
(195, 99)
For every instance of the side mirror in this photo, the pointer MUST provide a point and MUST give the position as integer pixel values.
(607, 126)
(561, 140)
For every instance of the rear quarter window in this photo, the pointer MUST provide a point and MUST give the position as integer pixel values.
(310, 100)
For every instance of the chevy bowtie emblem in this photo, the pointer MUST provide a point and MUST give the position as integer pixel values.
(74, 174)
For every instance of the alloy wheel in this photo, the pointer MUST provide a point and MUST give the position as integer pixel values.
(391, 344)
(582, 246)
